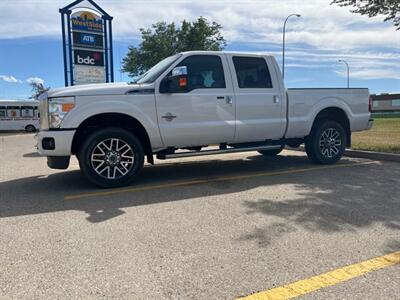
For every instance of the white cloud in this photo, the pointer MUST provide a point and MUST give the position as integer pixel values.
(363, 65)
(10, 79)
(322, 25)
(324, 33)
(37, 80)
(368, 74)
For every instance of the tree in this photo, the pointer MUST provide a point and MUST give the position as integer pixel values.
(389, 8)
(163, 40)
(37, 89)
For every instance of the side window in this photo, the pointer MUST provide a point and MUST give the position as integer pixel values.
(27, 111)
(252, 72)
(204, 72)
(13, 111)
(3, 112)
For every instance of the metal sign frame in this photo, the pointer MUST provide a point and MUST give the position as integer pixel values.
(67, 40)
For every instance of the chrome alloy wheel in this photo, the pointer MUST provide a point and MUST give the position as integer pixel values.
(112, 158)
(330, 142)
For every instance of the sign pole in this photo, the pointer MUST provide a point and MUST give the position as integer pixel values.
(105, 47)
(64, 50)
(111, 52)
(71, 73)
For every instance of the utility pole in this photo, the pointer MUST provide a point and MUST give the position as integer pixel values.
(284, 36)
(348, 72)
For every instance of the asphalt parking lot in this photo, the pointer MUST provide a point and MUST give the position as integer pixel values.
(217, 227)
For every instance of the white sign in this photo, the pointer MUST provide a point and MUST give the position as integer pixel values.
(89, 74)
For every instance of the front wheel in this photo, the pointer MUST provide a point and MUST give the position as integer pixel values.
(326, 142)
(111, 157)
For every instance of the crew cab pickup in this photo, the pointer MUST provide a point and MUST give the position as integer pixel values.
(187, 103)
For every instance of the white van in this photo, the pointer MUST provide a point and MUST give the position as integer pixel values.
(19, 115)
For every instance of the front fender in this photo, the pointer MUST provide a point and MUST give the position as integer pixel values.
(142, 108)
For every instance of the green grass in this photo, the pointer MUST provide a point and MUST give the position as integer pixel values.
(386, 115)
(384, 136)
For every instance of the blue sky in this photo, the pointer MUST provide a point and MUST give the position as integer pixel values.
(30, 45)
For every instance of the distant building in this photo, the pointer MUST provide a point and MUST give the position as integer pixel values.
(386, 103)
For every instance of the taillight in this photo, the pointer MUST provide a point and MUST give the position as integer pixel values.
(370, 103)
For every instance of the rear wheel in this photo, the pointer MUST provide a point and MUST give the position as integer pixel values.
(30, 128)
(326, 142)
(272, 152)
(111, 157)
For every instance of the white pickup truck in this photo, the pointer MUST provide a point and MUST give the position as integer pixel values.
(188, 101)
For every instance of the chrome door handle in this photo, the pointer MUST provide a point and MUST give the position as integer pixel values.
(276, 99)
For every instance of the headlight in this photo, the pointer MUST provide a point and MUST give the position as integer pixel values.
(58, 108)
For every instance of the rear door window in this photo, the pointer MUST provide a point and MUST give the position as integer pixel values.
(252, 72)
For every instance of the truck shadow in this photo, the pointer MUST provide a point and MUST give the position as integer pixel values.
(342, 199)
(346, 201)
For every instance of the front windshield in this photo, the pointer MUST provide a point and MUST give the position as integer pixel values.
(152, 74)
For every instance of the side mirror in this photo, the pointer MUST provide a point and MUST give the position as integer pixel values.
(179, 71)
(176, 82)
(180, 74)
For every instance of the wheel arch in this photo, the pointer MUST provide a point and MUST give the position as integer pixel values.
(30, 125)
(112, 119)
(334, 113)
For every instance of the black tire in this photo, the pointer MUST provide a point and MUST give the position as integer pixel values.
(272, 152)
(326, 142)
(30, 128)
(93, 148)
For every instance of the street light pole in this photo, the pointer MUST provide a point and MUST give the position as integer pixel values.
(348, 72)
(284, 36)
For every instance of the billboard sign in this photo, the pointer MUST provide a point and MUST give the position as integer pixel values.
(86, 21)
(88, 58)
(89, 74)
(87, 41)
(88, 48)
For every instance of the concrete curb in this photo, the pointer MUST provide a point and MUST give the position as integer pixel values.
(373, 155)
(364, 154)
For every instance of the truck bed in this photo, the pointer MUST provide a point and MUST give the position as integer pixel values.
(303, 104)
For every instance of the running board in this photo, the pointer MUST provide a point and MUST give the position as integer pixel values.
(212, 152)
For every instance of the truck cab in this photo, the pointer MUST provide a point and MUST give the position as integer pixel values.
(221, 88)
(189, 102)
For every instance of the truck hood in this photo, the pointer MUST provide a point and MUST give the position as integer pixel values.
(98, 89)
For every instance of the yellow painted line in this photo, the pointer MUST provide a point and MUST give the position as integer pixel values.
(312, 284)
(208, 180)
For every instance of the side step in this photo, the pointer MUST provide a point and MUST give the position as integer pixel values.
(212, 152)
